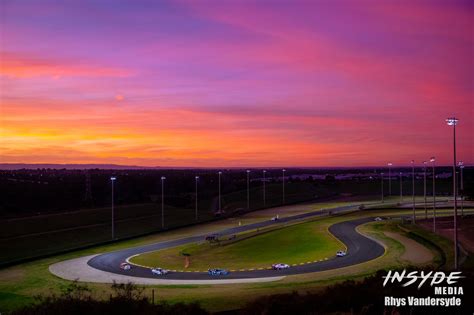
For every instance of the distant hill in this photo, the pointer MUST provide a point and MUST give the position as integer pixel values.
(17, 166)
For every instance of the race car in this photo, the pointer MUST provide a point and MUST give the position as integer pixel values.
(280, 266)
(341, 253)
(125, 266)
(217, 272)
(378, 219)
(159, 271)
(212, 237)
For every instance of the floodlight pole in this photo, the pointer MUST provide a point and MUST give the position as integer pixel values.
(389, 179)
(283, 181)
(381, 177)
(248, 189)
(432, 160)
(264, 200)
(401, 187)
(424, 188)
(196, 179)
(112, 180)
(220, 208)
(453, 122)
(413, 188)
(461, 166)
(163, 202)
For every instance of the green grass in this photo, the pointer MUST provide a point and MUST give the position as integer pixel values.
(295, 244)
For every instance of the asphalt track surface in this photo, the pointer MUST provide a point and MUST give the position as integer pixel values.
(359, 249)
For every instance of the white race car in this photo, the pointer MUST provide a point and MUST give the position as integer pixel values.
(280, 266)
(341, 253)
(125, 266)
(159, 271)
(378, 219)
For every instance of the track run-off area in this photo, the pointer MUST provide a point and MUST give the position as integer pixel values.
(105, 268)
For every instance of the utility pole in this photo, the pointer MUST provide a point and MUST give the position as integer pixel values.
(283, 171)
(381, 177)
(163, 202)
(413, 188)
(112, 180)
(432, 160)
(461, 166)
(248, 189)
(453, 122)
(196, 179)
(220, 209)
(389, 179)
(424, 189)
(264, 200)
(401, 187)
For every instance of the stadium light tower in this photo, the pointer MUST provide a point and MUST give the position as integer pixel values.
(461, 166)
(220, 205)
(389, 179)
(424, 188)
(413, 188)
(283, 181)
(381, 181)
(264, 200)
(163, 202)
(196, 179)
(112, 180)
(401, 187)
(453, 121)
(248, 189)
(433, 160)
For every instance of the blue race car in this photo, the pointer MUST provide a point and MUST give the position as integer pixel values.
(217, 272)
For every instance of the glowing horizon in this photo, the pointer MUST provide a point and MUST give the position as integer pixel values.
(216, 84)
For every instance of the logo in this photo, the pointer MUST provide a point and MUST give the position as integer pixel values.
(445, 286)
(437, 278)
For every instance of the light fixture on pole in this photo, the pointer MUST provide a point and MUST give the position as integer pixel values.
(433, 160)
(264, 200)
(163, 202)
(389, 179)
(461, 166)
(401, 187)
(413, 188)
(112, 180)
(381, 182)
(248, 189)
(220, 205)
(283, 172)
(424, 188)
(196, 179)
(453, 121)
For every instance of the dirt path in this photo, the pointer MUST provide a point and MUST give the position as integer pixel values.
(414, 251)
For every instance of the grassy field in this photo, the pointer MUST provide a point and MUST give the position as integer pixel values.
(295, 244)
(19, 284)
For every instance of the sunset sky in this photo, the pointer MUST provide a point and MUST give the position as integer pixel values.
(235, 83)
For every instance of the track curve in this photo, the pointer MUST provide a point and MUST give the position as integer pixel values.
(359, 249)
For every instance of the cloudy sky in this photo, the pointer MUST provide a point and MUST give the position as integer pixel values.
(235, 83)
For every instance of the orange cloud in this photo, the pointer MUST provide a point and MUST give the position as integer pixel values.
(25, 66)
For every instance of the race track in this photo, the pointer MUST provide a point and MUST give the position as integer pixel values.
(359, 249)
